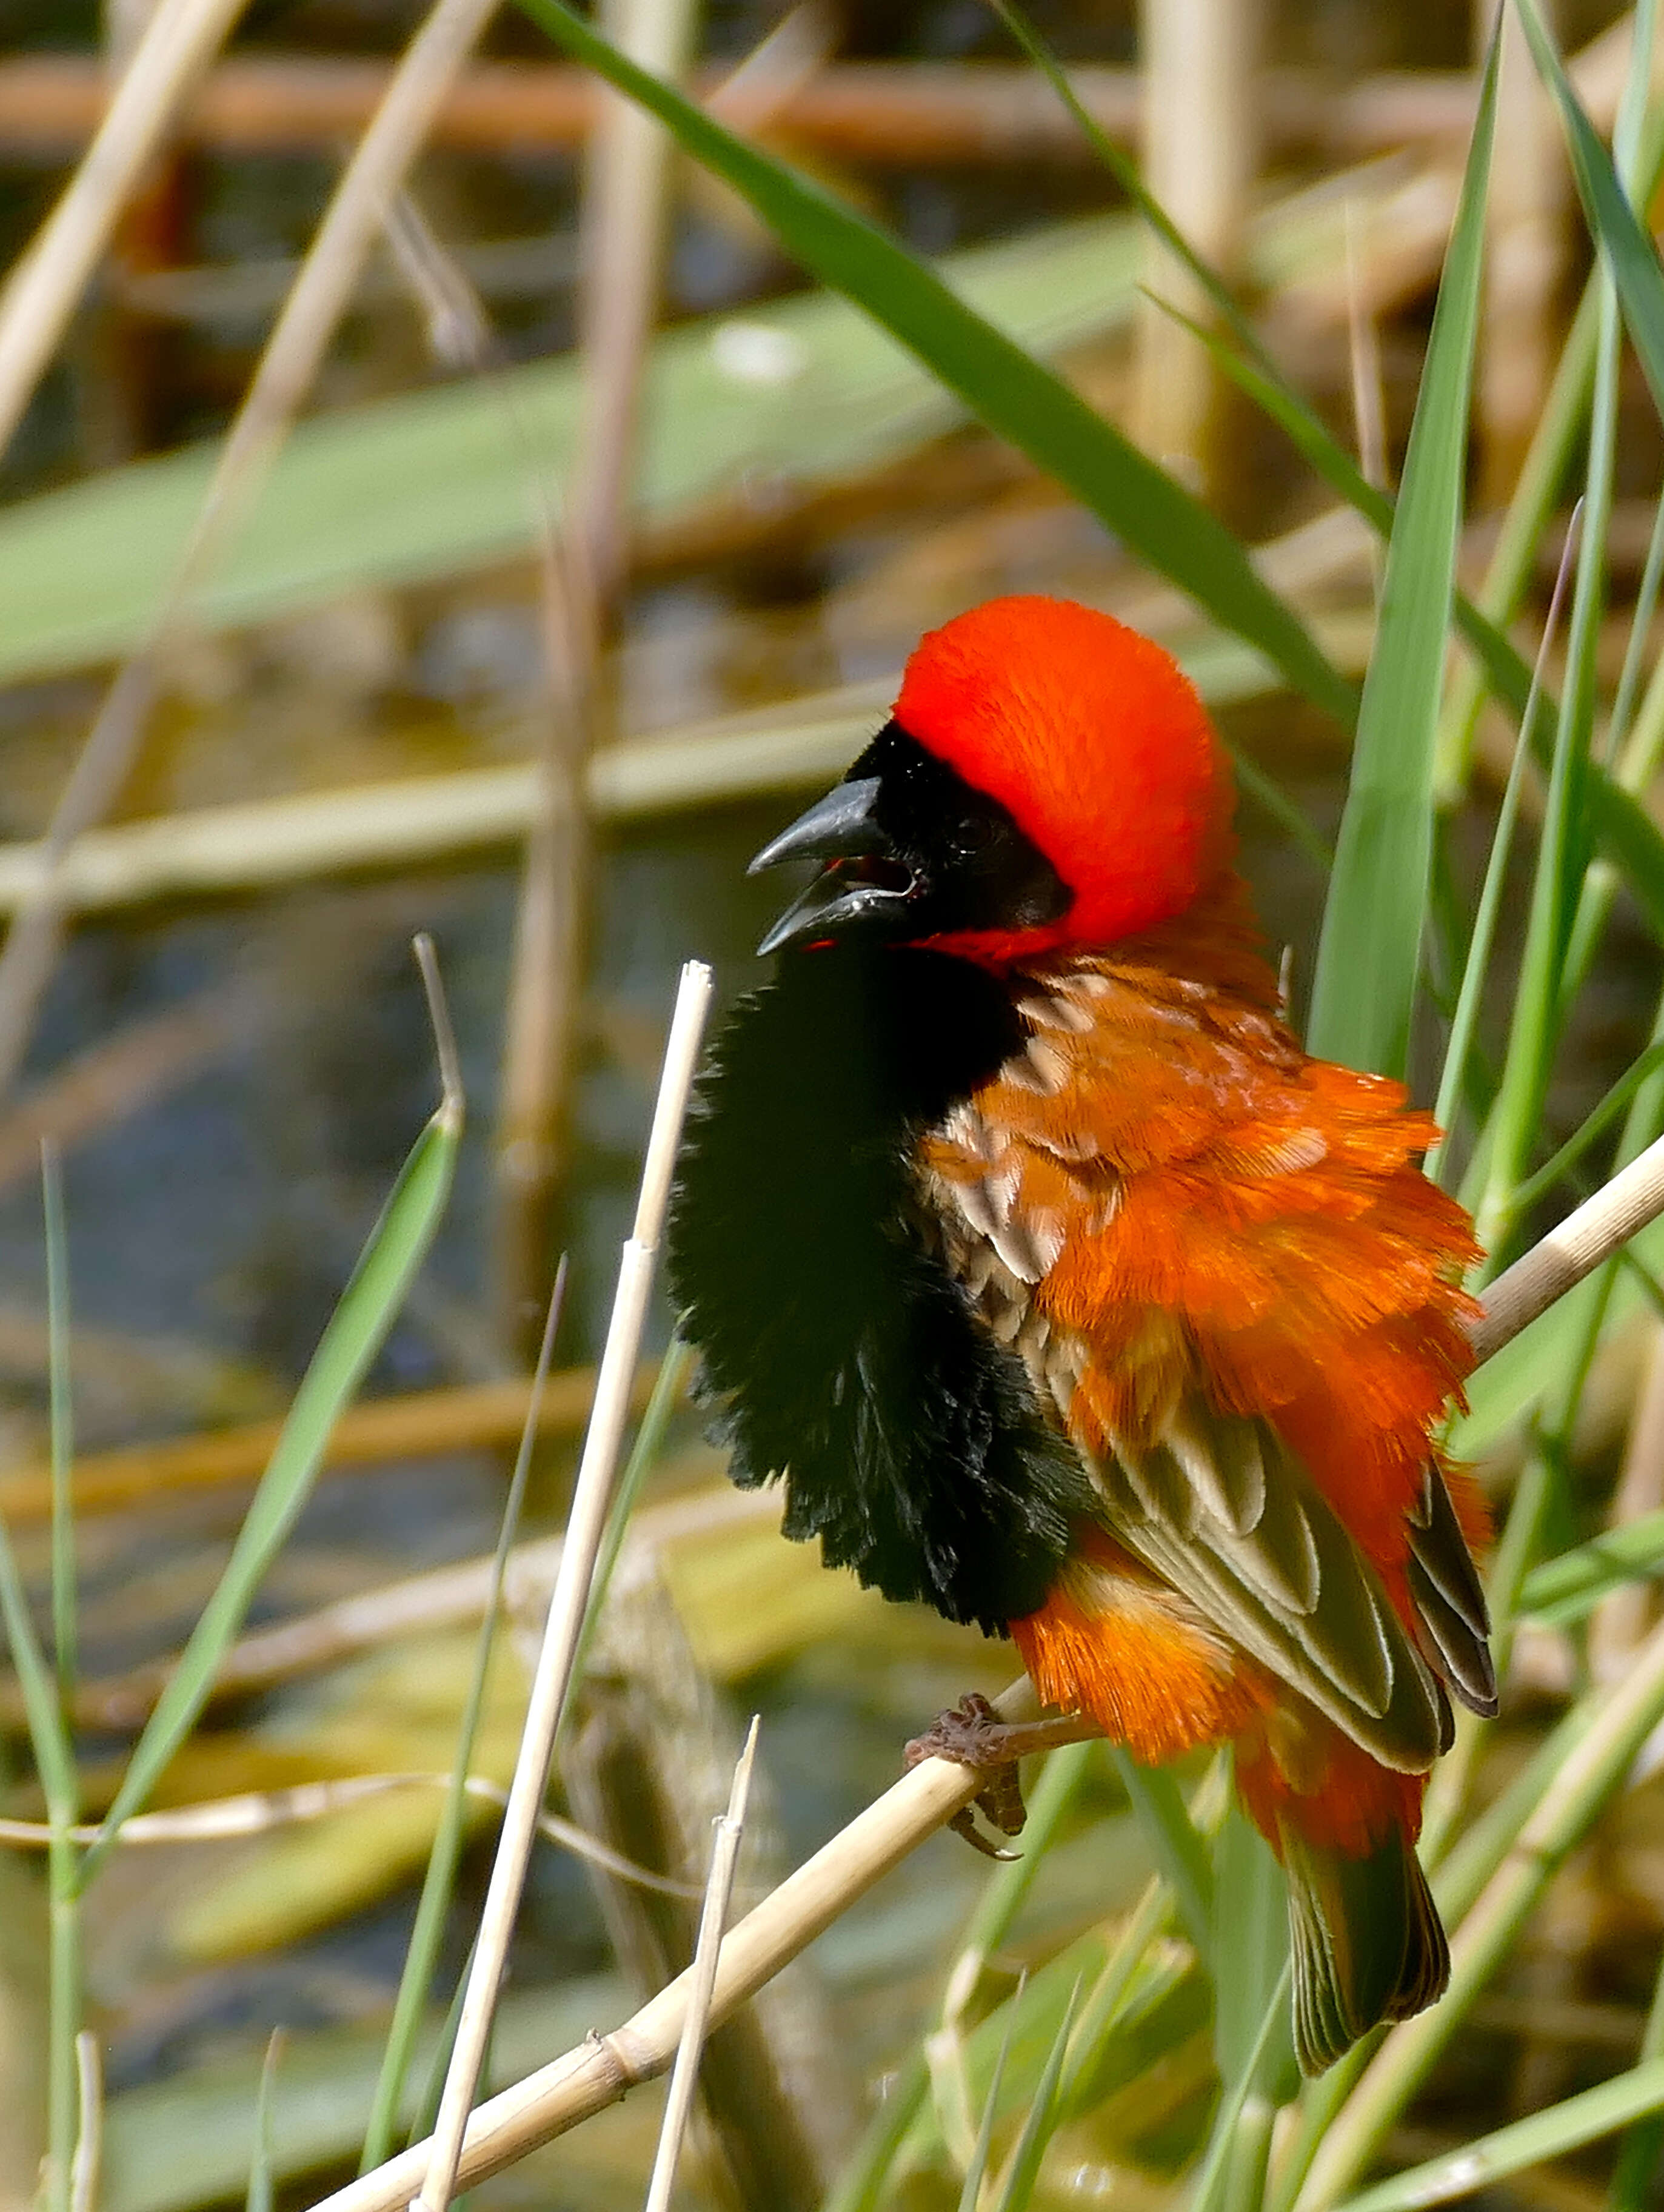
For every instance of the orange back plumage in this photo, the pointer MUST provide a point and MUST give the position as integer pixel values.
(1223, 1212)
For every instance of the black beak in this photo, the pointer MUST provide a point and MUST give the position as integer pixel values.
(865, 877)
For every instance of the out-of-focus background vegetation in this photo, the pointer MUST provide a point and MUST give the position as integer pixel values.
(361, 705)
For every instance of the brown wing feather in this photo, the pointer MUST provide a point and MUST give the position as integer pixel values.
(1224, 1269)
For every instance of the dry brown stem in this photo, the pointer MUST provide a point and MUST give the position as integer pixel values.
(418, 1424)
(351, 224)
(47, 284)
(878, 111)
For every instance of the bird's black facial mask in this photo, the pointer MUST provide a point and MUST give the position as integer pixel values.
(912, 852)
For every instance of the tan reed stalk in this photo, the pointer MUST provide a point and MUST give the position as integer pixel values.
(351, 223)
(1200, 62)
(624, 223)
(586, 1528)
(86, 2167)
(45, 287)
(730, 1828)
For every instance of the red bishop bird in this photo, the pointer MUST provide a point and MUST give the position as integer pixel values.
(1063, 1290)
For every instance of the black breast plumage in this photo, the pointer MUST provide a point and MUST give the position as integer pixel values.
(840, 1353)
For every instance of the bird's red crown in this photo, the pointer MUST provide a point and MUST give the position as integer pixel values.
(1094, 740)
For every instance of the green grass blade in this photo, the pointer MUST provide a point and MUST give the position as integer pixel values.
(1637, 2167)
(1627, 833)
(1566, 1588)
(1369, 954)
(1562, 852)
(1239, 2135)
(1630, 252)
(1464, 1020)
(65, 1638)
(261, 2194)
(1639, 643)
(1125, 171)
(1043, 2117)
(1562, 1163)
(1009, 390)
(54, 1759)
(1545, 2135)
(64, 1941)
(976, 2172)
(439, 1879)
(1181, 1856)
(865, 2182)
(357, 1330)
(1250, 1959)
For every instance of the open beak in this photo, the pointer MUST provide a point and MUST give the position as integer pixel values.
(864, 877)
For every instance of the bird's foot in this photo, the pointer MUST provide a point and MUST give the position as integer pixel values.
(972, 1734)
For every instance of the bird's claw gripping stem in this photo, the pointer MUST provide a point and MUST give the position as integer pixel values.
(971, 1733)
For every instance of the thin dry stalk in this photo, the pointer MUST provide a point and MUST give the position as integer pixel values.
(117, 1075)
(259, 1812)
(897, 112)
(626, 214)
(87, 2163)
(417, 1424)
(414, 820)
(620, 252)
(447, 1597)
(42, 293)
(730, 1828)
(1603, 1225)
(789, 1918)
(1363, 350)
(1525, 256)
(1199, 60)
(351, 223)
(1620, 1622)
(585, 1528)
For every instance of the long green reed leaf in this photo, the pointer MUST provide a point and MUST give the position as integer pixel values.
(1042, 2119)
(356, 1332)
(1550, 2134)
(1635, 2172)
(55, 1763)
(1009, 390)
(1369, 954)
(1617, 229)
(1464, 1022)
(1562, 852)
(444, 1855)
(262, 2191)
(65, 1635)
(1567, 1588)
(65, 1969)
(976, 2172)
(1181, 1855)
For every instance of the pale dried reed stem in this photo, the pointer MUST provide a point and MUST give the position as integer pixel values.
(1599, 1227)
(592, 1496)
(44, 288)
(725, 1860)
(350, 226)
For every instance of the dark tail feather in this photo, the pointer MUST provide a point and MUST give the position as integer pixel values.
(1367, 1942)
